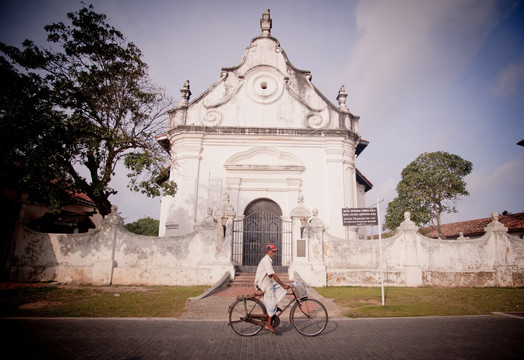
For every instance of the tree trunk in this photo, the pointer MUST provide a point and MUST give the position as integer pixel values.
(439, 230)
(103, 205)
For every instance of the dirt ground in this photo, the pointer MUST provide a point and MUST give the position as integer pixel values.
(15, 285)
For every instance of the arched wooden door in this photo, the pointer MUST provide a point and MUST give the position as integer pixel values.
(262, 225)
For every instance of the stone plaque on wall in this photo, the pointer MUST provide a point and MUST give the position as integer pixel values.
(301, 248)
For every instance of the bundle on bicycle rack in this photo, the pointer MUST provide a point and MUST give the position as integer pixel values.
(300, 289)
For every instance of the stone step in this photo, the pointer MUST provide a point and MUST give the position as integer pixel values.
(247, 279)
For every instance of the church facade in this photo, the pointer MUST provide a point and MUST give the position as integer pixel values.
(260, 145)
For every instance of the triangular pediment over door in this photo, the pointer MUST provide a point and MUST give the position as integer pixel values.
(264, 167)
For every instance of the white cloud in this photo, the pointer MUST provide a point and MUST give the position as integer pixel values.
(508, 177)
(492, 190)
(510, 79)
(412, 47)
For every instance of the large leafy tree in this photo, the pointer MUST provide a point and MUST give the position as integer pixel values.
(72, 112)
(28, 136)
(144, 226)
(430, 185)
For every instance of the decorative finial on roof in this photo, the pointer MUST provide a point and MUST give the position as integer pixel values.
(185, 93)
(341, 98)
(265, 24)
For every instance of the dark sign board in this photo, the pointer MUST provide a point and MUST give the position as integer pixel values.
(359, 216)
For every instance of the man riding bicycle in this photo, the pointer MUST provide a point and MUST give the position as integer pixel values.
(268, 282)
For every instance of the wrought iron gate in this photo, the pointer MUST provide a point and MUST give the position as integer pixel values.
(258, 229)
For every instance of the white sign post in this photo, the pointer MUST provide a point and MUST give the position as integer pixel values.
(380, 247)
(366, 217)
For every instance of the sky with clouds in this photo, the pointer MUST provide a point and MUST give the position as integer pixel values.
(423, 75)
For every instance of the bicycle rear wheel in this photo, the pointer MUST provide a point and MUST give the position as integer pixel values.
(309, 317)
(244, 316)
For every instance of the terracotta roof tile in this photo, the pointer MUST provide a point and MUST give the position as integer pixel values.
(514, 223)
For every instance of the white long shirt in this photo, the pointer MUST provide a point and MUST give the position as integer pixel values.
(264, 269)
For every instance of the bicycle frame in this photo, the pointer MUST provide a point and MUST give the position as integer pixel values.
(292, 301)
(248, 315)
(255, 318)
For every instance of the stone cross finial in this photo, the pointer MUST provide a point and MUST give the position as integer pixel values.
(407, 224)
(209, 222)
(113, 218)
(495, 225)
(185, 93)
(300, 210)
(341, 98)
(226, 209)
(315, 221)
(265, 24)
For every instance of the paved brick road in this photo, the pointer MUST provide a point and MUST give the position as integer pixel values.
(468, 337)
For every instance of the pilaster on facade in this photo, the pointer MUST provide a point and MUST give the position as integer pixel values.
(186, 146)
(341, 192)
(179, 212)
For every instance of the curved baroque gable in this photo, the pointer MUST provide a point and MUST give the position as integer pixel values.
(263, 91)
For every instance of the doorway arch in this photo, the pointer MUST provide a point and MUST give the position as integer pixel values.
(261, 225)
(262, 204)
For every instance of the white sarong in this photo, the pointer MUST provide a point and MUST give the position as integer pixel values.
(273, 295)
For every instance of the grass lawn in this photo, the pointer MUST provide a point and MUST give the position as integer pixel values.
(90, 301)
(48, 300)
(367, 302)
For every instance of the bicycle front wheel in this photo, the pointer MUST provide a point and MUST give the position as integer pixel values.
(309, 317)
(246, 315)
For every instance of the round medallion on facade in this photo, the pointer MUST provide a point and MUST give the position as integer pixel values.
(212, 118)
(264, 85)
(315, 121)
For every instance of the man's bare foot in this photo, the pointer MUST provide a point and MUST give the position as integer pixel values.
(271, 328)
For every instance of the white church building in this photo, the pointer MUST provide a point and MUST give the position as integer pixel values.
(263, 157)
(258, 146)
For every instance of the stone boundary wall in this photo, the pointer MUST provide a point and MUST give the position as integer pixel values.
(110, 255)
(411, 259)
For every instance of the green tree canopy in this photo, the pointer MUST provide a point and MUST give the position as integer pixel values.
(78, 109)
(28, 128)
(144, 226)
(430, 185)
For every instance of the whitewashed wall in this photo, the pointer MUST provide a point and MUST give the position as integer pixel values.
(112, 255)
(411, 259)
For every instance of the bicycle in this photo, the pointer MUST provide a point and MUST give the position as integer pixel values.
(248, 315)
